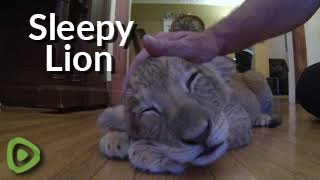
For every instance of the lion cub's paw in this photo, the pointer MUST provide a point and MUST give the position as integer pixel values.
(265, 120)
(150, 160)
(115, 145)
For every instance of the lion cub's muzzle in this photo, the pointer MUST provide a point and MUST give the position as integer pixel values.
(202, 137)
(212, 139)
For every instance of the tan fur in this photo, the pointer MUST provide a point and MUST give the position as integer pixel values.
(177, 113)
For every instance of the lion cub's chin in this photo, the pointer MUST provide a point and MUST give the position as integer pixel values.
(219, 133)
(211, 154)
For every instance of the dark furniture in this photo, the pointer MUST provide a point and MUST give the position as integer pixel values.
(278, 80)
(24, 80)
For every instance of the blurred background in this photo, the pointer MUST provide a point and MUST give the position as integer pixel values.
(25, 82)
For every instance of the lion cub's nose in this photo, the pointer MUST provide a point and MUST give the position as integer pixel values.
(199, 134)
(193, 125)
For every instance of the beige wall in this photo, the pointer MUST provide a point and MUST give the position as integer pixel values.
(277, 48)
(261, 60)
(149, 16)
(272, 48)
(312, 29)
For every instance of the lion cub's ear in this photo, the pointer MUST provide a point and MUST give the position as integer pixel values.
(112, 118)
(223, 65)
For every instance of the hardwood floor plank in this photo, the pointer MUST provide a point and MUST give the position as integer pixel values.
(196, 173)
(57, 154)
(293, 161)
(69, 144)
(85, 166)
(145, 176)
(118, 170)
(228, 168)
(259, 163)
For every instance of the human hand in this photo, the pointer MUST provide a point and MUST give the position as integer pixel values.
(193, 46)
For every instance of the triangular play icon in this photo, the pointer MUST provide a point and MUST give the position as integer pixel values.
(22, 155)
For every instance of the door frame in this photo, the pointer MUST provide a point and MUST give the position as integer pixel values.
(300, 51)
(120, 11)
(292, 76)
(297, 58)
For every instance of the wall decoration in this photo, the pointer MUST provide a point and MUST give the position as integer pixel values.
(188, 23)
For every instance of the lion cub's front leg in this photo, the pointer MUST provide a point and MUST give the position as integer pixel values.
(239, 126)
(116, 142)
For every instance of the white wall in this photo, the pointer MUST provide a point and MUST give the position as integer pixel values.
(292, 78)
(277, 48)
(274, 48)
(281, 47)
(312, 30)
(261, 59)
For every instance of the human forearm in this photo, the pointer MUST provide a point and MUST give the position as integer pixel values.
(252, 22)
(258, 20)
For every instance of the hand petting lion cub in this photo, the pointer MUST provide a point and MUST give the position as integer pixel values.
(177, 114)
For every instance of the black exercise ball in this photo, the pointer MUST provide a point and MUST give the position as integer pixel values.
(308, 90)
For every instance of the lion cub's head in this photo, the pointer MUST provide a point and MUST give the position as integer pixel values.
(171, 101)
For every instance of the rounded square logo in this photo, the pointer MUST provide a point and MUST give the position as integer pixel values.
(22, 155)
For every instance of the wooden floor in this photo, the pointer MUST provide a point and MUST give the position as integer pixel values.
(69, 144)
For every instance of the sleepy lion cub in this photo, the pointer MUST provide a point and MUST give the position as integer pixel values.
(176, 114)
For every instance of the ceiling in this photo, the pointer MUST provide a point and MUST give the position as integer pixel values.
(199, 2)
